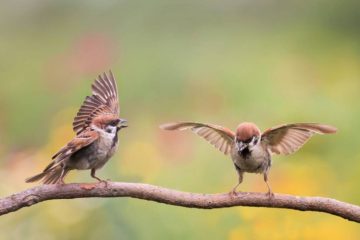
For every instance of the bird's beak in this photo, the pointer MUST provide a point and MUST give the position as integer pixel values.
(122, 123)
(241, 146)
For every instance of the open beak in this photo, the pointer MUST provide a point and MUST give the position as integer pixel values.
(122, 123)
(241, 146)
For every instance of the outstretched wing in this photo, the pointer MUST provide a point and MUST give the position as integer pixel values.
(289, 138)
(104, 100)
(220, 137)
(79, 142)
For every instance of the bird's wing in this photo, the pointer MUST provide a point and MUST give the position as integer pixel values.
(79, 142)
(104, 100)
(220, 137)
(289, 138)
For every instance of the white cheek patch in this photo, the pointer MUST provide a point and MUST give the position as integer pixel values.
(111, 129)
(108, 132)
(253, 142)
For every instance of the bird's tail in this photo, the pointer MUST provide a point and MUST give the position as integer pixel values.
(51, 175)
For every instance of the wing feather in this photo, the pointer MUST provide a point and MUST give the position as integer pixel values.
(221, 138)
(80, 141)
(289, 138)
(104, 100)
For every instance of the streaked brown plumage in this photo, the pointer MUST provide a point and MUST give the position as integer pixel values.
(250, 150)
(96, 126)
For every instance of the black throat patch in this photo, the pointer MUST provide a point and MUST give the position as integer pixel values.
(245, 153)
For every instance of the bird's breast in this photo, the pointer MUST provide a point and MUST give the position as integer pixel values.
(96, 154)
(107, 145)
(255, 160)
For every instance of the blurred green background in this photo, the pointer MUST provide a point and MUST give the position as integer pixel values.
(222, 62)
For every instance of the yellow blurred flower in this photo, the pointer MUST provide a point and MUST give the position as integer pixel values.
(140, 158)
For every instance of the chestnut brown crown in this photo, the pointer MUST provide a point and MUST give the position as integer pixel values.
(247, 130)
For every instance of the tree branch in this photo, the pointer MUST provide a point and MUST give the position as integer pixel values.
(42, 193)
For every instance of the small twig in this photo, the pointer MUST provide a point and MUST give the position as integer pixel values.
(42, 193)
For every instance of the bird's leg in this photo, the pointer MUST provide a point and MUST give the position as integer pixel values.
(93, 176)
(269, 193)
(240, 174)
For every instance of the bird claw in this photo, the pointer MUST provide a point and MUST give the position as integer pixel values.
(101, 181)
(270, 195)
(233, 193)
(104, 181)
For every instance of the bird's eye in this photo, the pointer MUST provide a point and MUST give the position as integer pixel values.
(114, 123)
(255, 140)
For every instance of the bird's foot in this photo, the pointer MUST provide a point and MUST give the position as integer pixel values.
(270, 195)
(99, 179)
(234, 193)
(105, 182)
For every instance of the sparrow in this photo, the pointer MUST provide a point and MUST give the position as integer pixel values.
(251, 150)
(96, 126)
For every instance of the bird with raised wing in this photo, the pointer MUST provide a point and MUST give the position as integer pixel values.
(251, 150)
(96, 126)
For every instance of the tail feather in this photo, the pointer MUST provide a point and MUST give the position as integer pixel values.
(49, 176)
(35, 178)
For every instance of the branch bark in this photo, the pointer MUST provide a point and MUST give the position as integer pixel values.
(42, 193)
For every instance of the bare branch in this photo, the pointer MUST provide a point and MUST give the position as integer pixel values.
(168, 196)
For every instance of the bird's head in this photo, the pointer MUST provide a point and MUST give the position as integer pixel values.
(247, 136)
(109, 123)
